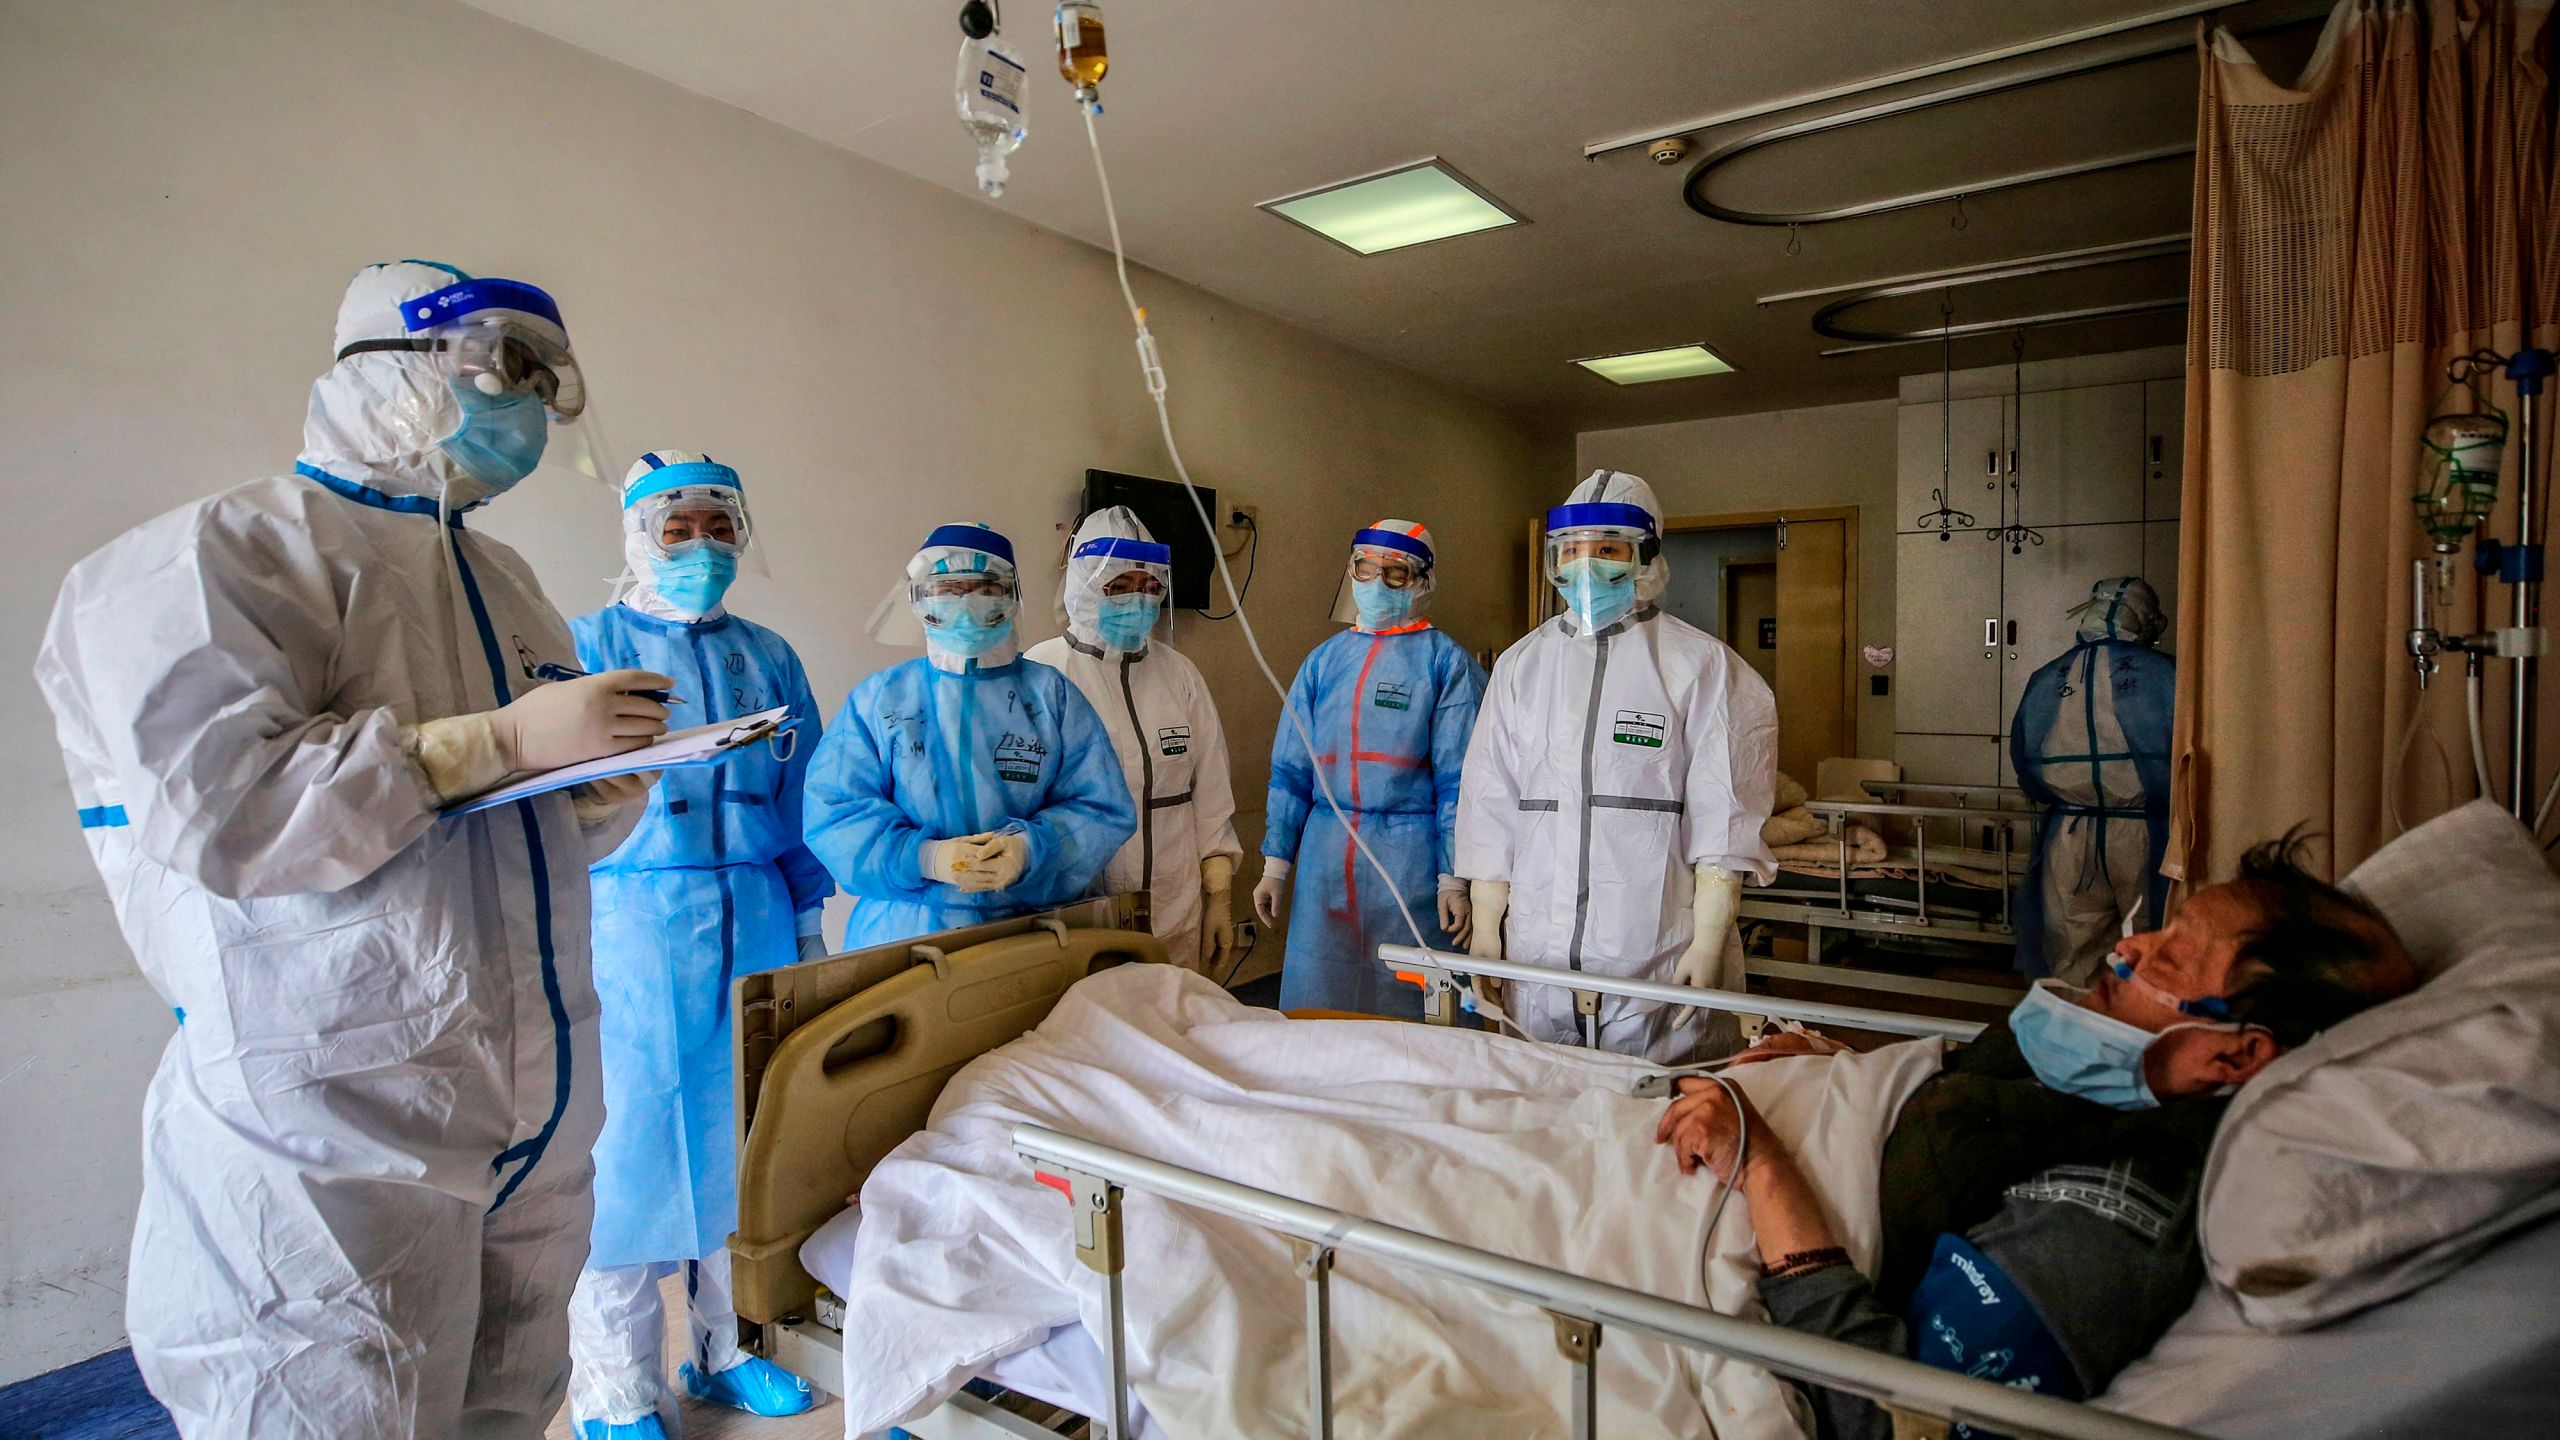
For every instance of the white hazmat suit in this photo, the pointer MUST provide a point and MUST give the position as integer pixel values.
(1173, 751)
(365, 1170)
(1606, 771)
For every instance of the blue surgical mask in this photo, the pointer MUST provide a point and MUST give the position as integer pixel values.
(695, 577)
(501, 438)
(1598, 592)
(968, 625)
(1125, 621)
(1381, 606)
(2079, 1051)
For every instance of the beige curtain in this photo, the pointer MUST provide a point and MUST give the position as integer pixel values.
(2388, 211)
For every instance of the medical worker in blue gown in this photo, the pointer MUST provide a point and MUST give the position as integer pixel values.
(1390, 704)
(2090, 743)
(714, 884)
(970, 783)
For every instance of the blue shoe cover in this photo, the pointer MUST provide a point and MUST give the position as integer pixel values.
(756, 1385)
(647, 1427)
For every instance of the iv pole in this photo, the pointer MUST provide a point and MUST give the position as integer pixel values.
(2518, 565)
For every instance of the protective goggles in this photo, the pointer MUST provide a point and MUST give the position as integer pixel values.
(1620, 533)
(998, 580)
(691, 517)
(1119, 565)
(1387, 555)
(499, 337)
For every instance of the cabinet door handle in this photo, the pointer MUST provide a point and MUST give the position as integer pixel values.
(2155, 449)
(2013, 632)
(1990, 462)
(1991, 632)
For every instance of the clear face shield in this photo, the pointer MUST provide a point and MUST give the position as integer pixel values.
(513, 397)
(1594, 571)
(1386, 582)
(695, 520)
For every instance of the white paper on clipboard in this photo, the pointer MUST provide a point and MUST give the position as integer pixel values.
(697, 745)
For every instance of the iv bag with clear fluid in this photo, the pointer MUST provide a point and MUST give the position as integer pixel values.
(1081, 55)
(989, 90)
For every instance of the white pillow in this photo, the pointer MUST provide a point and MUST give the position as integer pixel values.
(2397, 1145)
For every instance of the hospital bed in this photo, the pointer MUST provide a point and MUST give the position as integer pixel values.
(1954, 858)
(840, 1060)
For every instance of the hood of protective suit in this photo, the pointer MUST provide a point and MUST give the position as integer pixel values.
(376, 418)
(1081, 595)
(635, 586)
(2122, 608)
(1346, 608)
(1617, 487)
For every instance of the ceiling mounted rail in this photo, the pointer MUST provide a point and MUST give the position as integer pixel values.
(1845, 298)
(1695, 189)
(2055, 41)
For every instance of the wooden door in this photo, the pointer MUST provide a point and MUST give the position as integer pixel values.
(1815, 721)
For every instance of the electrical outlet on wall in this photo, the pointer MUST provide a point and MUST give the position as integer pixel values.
(1244, 517)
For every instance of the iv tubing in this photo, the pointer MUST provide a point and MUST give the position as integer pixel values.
(1152, 365)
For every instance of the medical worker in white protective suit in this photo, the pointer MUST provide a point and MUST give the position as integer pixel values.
(714, 884)
(365, 1154)
(1615, 789)
(1173, 751)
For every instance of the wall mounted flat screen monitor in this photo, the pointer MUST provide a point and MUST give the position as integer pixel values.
(1168, 515)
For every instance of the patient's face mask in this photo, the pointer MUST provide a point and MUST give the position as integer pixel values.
(2079, 1051)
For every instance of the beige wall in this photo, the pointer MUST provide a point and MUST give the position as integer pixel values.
(1829, 455)
(185, 189)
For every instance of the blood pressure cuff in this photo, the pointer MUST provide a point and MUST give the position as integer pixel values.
(1969, 1316)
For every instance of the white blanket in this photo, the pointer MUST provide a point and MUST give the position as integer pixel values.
(1531, 1151)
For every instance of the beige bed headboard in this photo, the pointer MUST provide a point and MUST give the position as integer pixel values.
(839, 1060)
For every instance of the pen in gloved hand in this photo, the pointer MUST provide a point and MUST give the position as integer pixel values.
(548, 671)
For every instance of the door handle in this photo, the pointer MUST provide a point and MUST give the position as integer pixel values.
(2013, 632)
(1991, 633)
(2155, 449)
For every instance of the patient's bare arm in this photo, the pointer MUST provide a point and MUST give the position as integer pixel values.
(1703, 1128)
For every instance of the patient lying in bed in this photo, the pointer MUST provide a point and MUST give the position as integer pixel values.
(2037, 1198)
(962, 1263)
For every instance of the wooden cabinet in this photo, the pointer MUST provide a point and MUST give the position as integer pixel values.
(2097, 475)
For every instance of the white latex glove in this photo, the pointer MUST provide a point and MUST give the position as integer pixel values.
(1718, 900)
(1487, 902)
(948, 862)
(1268, 890)
(1217, 913)
(597, 801)
(1000, 861)
(568, 721)
(1457, 914)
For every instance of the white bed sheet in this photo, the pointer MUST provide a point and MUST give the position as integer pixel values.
(2476, 1354)
(1526, 1150)
(1066, 1370)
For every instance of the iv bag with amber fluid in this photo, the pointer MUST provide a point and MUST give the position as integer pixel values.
(1082, 58)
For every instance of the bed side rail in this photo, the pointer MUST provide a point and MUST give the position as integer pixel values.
(842, 1087)
(1448, 978)
(1095, 1177)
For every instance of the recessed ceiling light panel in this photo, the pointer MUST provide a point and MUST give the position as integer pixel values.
(1409, 205)
(1642, 367)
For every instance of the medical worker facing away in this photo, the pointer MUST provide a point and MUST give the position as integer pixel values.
(1616, 788)
(2090, 742)
(714, 884)
(365, 1154)
(1389, 705)
(1173, 751)
(970, 783)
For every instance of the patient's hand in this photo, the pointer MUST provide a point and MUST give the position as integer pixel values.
(1702, 1127)
(1781, 1044)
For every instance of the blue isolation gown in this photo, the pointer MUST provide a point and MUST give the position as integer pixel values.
(919, 753)
(1390, 715)
(708, 888)
(2090, 742)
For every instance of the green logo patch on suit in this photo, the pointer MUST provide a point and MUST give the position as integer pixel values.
(1639, 727)
(1392, 696)
(1018, 758)
(1174, 740)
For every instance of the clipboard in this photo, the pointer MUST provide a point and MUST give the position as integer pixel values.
(675, 750)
